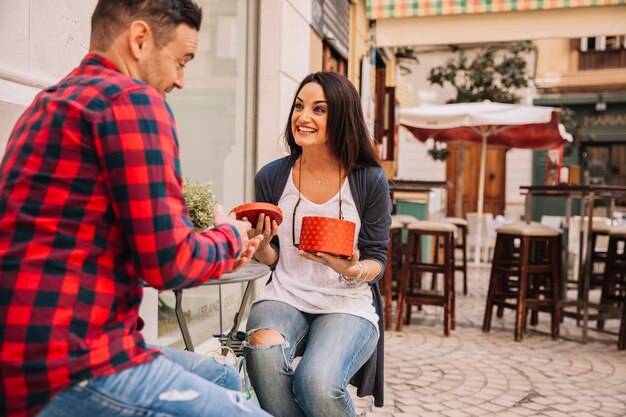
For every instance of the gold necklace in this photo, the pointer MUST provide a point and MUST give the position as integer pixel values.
(318, 179)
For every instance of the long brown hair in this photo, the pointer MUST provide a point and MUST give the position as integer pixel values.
(350, 141)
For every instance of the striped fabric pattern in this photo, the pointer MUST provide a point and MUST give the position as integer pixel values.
(382, 9)
(90, 205)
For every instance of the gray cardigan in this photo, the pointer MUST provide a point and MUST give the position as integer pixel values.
(370, 191)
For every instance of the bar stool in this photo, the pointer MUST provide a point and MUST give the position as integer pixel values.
(410, 291)
(460, 243)
(405, 219)
(614, 283)
(529, 276)
(394, 264)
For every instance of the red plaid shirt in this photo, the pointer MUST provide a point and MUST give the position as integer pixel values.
(90, 204)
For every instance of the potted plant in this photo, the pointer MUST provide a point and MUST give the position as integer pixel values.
(200, 202)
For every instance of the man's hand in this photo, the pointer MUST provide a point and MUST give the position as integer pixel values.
(242, 227)
(250, 245)
(246, 255)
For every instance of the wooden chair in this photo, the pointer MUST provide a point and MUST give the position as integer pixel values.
(487, 236)
(600, 231)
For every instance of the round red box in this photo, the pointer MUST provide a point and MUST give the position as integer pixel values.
(251, 211)
(326, 234)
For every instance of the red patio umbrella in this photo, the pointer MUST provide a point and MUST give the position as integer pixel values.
(509, 125)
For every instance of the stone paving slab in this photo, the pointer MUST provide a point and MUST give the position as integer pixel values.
(472, 373)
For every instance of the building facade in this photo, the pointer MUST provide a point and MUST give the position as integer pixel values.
(425, 27)
(586, 77)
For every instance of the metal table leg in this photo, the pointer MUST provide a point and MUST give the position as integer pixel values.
(237, 320)
(565, 274)
(582, 239)
(588, 264)
(180, 316)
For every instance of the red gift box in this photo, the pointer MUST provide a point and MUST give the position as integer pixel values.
(326, 234)
(251, 211)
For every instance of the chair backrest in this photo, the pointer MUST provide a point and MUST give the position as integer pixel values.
(575, 225)
(552, 221)
(487, 227)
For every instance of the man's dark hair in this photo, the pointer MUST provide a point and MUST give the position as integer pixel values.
(111, 17)
(350, 141)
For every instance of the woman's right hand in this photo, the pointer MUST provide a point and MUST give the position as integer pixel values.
(266, 227)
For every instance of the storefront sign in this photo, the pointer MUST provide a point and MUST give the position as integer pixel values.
(605, 120)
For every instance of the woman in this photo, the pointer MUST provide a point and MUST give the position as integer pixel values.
(322, 307)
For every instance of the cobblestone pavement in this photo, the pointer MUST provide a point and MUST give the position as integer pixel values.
(472, 373)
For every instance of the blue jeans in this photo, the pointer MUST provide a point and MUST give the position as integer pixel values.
(333, 348)
(178, 383)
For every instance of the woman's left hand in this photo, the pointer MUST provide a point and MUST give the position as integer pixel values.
(340, 265)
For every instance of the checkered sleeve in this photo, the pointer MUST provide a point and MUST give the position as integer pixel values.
(138, 148)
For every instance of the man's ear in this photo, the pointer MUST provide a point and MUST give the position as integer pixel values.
(140, 39)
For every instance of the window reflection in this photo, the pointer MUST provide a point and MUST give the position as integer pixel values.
(210, 114)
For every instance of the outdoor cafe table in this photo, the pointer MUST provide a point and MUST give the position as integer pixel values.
(587, 194)
(249, 273)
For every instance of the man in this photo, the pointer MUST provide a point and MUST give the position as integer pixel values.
(90, 205)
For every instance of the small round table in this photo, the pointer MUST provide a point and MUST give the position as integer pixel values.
(249, 273)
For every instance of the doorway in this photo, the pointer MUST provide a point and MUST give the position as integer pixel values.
(495, 178)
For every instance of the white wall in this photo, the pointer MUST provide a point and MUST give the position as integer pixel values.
(284, 61)
(414, 163)
(40, 42)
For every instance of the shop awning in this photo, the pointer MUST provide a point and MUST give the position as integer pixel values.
(443, 22)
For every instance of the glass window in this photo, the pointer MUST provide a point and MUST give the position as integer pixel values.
(332, 61)
(211, 110)
(606, 164)
(601, 52)
(213, 116)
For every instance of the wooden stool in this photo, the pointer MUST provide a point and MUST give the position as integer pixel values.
(460, 243)
(394, 263)
(405, 219)
(410, 290)
(525, 275)
(614, 283)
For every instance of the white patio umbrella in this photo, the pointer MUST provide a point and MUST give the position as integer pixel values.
(509, 125)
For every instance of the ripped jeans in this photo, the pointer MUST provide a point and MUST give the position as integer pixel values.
(333, 349)
(177, 383)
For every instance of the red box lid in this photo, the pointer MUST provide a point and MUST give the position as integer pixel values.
(251, 211)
